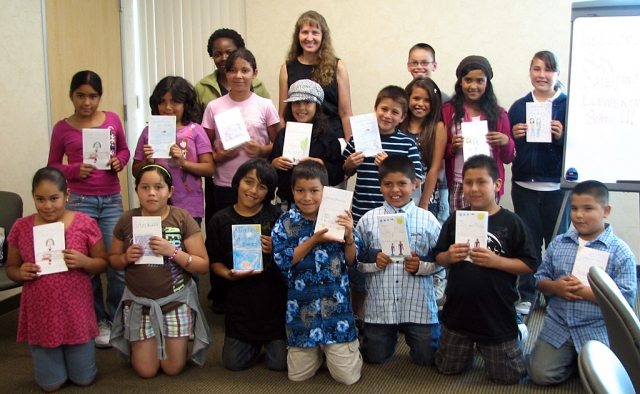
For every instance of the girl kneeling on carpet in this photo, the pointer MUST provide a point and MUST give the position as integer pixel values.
(159, 309)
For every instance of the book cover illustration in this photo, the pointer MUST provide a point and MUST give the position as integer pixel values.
(471, 228)
(366, 135)
(334, 202)
(475, 139)
(247, 247)
(297, 141)
(231, 128)
(96, 148)
(539, 122)
(394, 237)
(145, 227)
(162, 135)
(48, 244)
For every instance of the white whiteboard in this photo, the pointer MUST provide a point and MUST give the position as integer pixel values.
(602, 139)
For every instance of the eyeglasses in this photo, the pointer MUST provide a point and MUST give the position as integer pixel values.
(423, 63)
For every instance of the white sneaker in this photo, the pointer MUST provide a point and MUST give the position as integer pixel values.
(523, 307)
(102, 340)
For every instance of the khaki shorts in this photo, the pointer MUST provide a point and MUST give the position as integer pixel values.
(343, 360)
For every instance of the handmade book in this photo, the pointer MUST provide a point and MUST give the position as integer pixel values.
(96, 148)
(394, 237)
(366, 135)
(587, 258)
(231, 128)
(145, 227)
(539, 122)
(472, 228)
(48, 244)
(475, 139)
(247, 247)
(334, 202)
(297, 141)
(162, 135)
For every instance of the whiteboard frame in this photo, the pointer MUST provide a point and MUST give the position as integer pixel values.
(594, 9)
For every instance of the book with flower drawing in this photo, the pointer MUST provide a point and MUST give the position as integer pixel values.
(394, 237)
(96, 148)
(247, 247)
(145, 227)
(471, 228)
(297, 141)
(48, 244)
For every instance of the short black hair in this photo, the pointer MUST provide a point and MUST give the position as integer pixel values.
(265, 172)
(595, 189)
(482, 161)
(224, 33)
(309, 169)
(397, 163)
(424, 46)
(395, 93)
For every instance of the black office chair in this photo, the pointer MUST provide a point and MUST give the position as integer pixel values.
(622, 323)
(10, 211)
(600, 370)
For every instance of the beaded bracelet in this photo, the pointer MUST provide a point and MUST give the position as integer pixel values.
(175, 252)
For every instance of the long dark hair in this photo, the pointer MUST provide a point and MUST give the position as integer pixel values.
(488, 102)
(182, 92)
(427, 137)
(86, 77)
(319, 120)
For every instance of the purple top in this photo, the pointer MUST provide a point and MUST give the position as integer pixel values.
(67, 140)
(187, 188)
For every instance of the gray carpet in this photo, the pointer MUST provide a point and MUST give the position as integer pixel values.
(400, 375)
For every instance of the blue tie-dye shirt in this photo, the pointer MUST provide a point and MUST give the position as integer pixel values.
(318, 304)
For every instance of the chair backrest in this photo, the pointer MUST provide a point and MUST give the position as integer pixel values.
(600, 370)
(10, 211)
(623, 327)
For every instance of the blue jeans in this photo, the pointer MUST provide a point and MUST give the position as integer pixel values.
(547, 365)
(54, 365)
(443, 208)
(106, 210)
(380, 341)
(238, 355)
(539, 211)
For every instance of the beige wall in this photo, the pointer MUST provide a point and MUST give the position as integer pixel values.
(24, 132)
(373, 39)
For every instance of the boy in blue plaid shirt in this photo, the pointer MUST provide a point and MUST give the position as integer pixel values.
(400, 295)
(573, 315)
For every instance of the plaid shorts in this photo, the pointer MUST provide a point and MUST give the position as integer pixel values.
(503, 361)
(456, 198)
(177, 323)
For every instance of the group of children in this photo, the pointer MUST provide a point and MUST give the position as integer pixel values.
(308, 299)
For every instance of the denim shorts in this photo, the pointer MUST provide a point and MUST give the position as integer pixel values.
(53, 366)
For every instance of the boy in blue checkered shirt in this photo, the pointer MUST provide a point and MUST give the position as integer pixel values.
(400, 295)
(573, 315)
